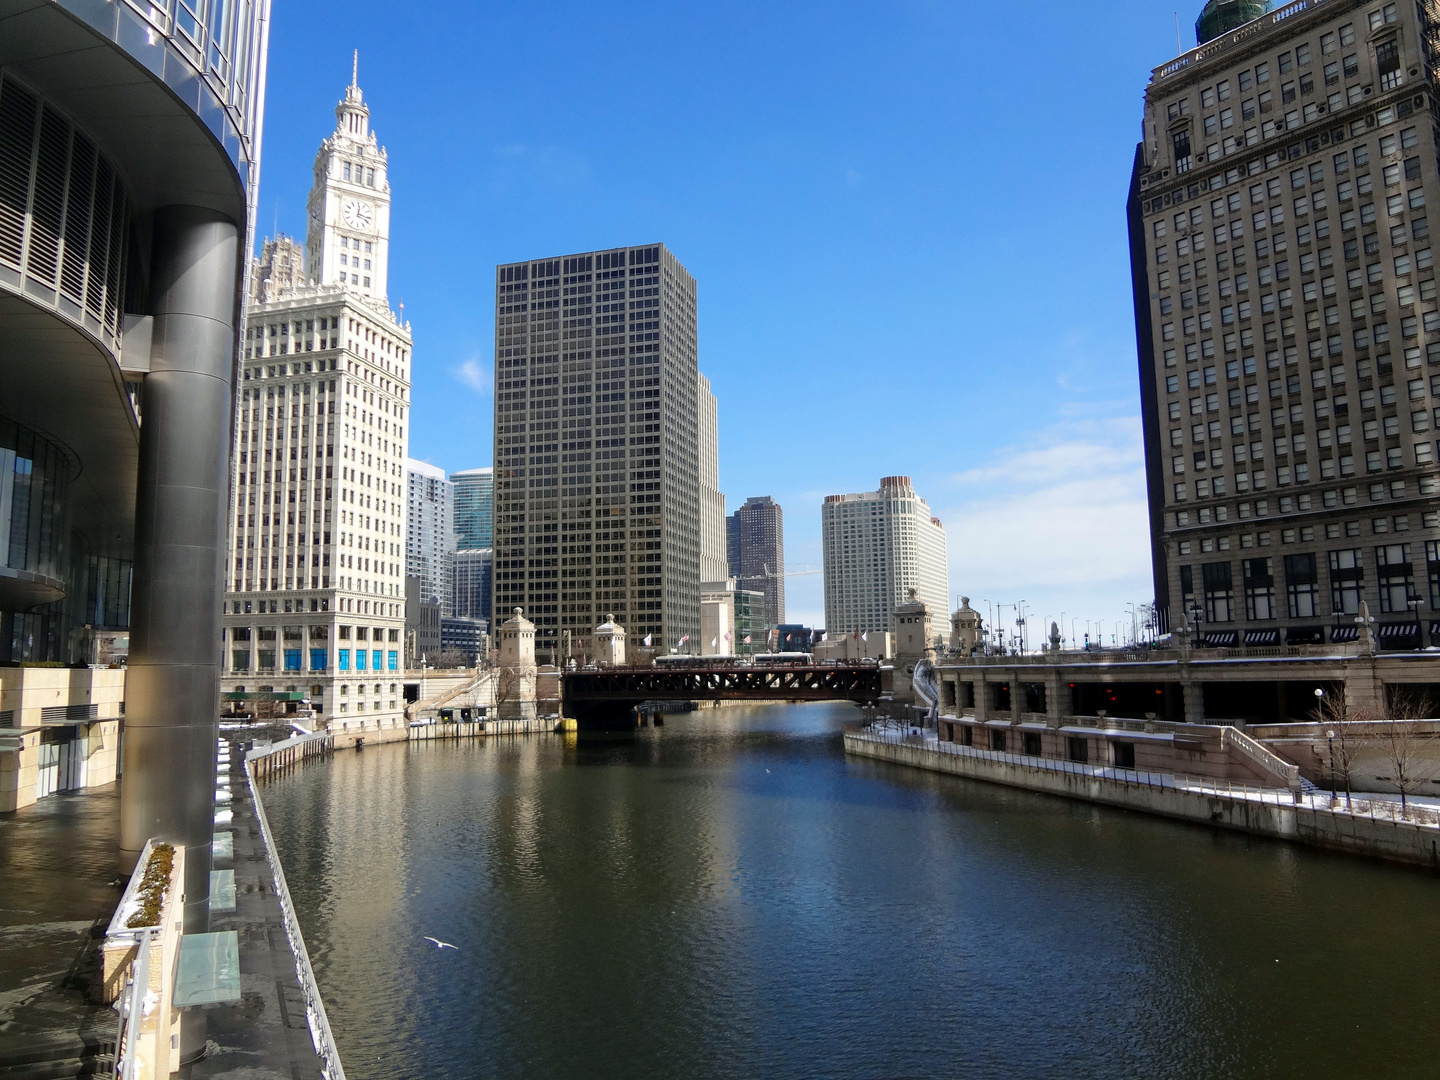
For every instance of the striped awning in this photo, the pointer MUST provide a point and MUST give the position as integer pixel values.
(1262, 637)
(1399, 630)
(1221, 639)
(1340, 634)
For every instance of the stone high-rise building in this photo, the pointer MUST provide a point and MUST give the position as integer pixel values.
(280, 268)
(878, 545)
(597, 492)
(755, 541)
(474, 508)
(1288, 326)
(713, 563)
(315, 598)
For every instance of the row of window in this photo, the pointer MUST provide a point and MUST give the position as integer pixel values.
(1302, 590)
(364, 659)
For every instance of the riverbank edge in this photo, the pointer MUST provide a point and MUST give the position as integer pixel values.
(1394, 841)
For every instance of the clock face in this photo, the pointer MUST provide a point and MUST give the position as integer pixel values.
(358, 215)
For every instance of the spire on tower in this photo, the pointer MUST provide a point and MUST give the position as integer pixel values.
(355, 71)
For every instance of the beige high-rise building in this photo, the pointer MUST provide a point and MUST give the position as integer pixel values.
(712, 502)
(597, 487)
(315, 602)
(878, 545)
(1288, 324)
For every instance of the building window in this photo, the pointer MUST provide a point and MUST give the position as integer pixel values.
(1397, 581)
(1259, 589)
(1347, 579)
(1301, 585)
(1077, 748)
(1219, 597)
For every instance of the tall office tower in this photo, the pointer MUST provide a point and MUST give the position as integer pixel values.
(429, 531)
(713, 565)
(878, 546)
(474, 508)
(597, 493)
(472, 574)
(1287, 324)
(315, 602)
(755, 539)
(120, 281)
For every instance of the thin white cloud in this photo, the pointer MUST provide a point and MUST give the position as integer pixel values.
(473, 374)
(1062, 522)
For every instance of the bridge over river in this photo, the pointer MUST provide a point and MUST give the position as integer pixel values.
(607, 697)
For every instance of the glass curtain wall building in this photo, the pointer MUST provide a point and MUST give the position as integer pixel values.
(474, 507)
(597, 490)
(129, 157)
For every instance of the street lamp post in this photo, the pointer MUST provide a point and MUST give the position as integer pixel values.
(1415, 603)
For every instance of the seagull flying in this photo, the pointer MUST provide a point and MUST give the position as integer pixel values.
(442, 944)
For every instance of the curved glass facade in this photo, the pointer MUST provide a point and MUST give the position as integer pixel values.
(34, 476)
(206, 51)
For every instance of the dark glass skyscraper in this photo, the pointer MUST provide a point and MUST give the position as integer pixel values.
(755, 542)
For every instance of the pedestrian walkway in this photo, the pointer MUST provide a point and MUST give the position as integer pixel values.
(266, 1034)
(58, 888)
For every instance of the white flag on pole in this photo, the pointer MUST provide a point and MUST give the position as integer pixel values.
(647, 640)
(865, 636)
(747, 639)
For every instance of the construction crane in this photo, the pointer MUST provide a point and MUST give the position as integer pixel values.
(767, 573)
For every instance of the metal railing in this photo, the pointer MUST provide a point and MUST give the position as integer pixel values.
(1374, 809)
(1220, 44)
(131, 1007)
(320, 1033)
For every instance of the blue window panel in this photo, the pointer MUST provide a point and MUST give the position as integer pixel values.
(360, 656)
(344, 659)
(292, 659)
(394, 660)
(319, 659)
(379, 660)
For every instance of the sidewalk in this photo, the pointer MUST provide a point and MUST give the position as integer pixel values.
(266, 1034)
(58, 888)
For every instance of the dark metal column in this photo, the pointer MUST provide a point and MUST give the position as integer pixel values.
(173, 684)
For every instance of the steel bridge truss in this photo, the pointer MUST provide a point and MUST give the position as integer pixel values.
(859, 684)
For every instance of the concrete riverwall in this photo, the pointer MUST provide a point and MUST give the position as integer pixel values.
(481, 728)
(1282, 819)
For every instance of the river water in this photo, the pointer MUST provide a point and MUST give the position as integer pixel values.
(730, 896)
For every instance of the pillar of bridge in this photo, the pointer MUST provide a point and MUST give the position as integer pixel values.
(515, 674)
(609, 643)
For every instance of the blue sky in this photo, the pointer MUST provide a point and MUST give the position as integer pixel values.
(906, 221)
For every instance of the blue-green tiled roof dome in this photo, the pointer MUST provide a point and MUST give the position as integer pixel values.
(1222, 16)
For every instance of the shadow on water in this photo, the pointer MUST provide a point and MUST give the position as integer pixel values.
(730, 896)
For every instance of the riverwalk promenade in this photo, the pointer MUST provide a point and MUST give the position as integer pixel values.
(1374, 826)
(60, 889)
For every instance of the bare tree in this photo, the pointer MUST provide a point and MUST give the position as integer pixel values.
(1408, 749)
(451, 657)
(1344, 736)
(509, 682)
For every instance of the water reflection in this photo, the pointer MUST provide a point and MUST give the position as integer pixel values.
(729, 896)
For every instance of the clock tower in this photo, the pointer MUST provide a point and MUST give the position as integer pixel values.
(349, 226)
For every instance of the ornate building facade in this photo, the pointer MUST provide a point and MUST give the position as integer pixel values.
(315, 602)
